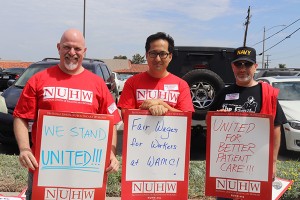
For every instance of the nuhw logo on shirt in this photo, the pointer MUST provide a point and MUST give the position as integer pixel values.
(167, 96)
(69, 94)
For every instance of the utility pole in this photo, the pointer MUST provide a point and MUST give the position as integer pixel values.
(246, 24)
(263, 50)
(84, 18)
(84, 23)
(268, 60)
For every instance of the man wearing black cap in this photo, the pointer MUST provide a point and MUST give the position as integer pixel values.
(262, 95)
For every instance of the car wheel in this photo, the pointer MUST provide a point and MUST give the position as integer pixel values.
(204, 84)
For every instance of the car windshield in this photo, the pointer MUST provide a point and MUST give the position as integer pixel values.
(13, 70)
(33, 69)
(288, 90)
(29, 72)
(124, 76)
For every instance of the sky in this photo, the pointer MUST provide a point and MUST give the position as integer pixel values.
(30, 29)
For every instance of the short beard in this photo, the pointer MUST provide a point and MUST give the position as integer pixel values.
(244, 79)
(71, 66)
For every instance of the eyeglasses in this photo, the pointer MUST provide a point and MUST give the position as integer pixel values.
(241, 64)
(162, 54)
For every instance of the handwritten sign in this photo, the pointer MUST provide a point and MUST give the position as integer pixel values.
(73, 152)
(239, 155)
(20, 196)
(155, 155)
(279, 187)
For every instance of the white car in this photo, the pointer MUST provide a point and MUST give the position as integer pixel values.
(120, 80)
(289, 99)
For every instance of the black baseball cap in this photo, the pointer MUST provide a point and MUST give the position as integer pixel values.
(244, 53)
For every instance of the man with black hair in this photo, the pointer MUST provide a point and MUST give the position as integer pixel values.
(157, 90)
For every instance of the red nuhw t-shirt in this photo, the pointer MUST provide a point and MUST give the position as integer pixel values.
(171, 89)
(52, 89)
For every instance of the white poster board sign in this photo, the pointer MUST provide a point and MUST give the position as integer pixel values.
(156, 147)
(73, 152)
(239, 147)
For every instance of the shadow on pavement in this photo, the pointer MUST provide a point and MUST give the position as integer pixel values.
(289, 155)
(9, 149)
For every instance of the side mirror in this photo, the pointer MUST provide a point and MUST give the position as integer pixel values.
(10, 82)
(108, 85)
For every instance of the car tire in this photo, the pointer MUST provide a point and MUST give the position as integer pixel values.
(204, 84)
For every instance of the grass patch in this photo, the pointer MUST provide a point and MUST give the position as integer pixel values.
(13, 178)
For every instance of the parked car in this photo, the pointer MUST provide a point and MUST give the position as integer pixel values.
(8, 74)
(120, 79)
(276, 72)
(289, 99)
(11, 95)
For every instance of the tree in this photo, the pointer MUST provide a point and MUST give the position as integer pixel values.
(281, 65)
(120, 57)
(138, 59)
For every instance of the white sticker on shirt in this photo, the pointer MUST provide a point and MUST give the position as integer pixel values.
(170, 87)
(233, 96)
(112, 108)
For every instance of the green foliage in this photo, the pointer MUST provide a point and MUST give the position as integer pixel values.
(138, 59)
(13, 178)
(281, 65)
(290, 170)
(120, 57)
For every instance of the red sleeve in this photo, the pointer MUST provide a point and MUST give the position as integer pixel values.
(108, 105)
(184, 100)
(27, 104)
(127, 99)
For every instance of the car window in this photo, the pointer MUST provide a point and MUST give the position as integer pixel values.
(280, 73)
(288, 90)
(124, 76)
(105, 71)
(99, 71)
(13, 70)
(29, 72)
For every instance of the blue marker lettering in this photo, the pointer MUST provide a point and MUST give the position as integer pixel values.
(137, 126)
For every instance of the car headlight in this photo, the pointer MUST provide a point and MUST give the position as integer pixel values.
(3, 107)
(295, 124)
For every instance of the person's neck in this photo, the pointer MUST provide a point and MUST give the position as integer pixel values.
(249, 84)
(76, 71)
(158, 75)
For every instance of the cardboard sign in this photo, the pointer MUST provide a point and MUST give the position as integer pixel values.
(20, 196)
(73, 151)
(279, 186)
(155, 155)
(239, 155)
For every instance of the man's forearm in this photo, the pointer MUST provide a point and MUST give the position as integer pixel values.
(114, 140)
(277, 136)
(21, 133)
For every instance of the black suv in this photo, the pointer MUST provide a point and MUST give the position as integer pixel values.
(11, 95)
(206, 70)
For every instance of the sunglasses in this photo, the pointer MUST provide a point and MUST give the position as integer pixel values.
(241, 64)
